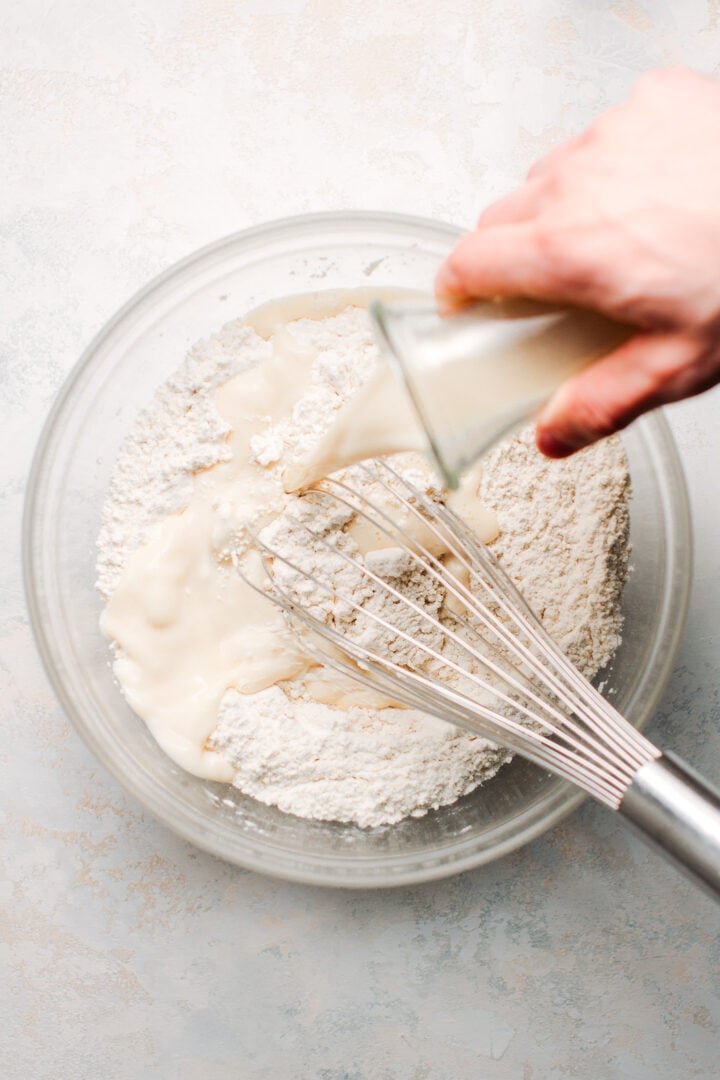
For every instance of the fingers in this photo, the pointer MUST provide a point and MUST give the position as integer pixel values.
(544, 164)
(501, 260)
(539, 259)
(647, 371)
(519, 205)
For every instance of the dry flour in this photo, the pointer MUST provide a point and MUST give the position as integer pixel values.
(563, 540)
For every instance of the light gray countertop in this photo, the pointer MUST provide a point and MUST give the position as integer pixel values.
(132, 134)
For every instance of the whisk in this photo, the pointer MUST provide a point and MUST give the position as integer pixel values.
(502, 676)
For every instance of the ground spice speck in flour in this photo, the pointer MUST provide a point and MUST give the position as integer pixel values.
(563, 540)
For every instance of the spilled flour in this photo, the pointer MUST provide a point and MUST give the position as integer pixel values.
(310, 743)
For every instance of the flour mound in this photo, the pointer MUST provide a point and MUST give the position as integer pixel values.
(370, 767)
(177, 435)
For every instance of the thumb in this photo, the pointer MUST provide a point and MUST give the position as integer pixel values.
(649, 370)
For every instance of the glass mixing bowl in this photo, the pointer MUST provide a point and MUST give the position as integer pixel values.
(115, 378)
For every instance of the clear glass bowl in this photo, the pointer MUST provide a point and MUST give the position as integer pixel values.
(115, 378)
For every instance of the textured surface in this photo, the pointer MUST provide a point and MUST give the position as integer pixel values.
(131, 134)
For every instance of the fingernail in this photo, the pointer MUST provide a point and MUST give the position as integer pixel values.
(552, 447)
(447, 282)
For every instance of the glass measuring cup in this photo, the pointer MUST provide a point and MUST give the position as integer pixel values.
(476, 373)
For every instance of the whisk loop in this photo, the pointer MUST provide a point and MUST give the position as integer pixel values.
(483, 661)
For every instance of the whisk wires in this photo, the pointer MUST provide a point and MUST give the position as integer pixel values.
(504, 678)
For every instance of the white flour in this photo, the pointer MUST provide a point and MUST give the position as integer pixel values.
(177, 435)
(563, 540)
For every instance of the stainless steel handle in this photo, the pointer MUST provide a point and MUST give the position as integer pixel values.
(680, 813)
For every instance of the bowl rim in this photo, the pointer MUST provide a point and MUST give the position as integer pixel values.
(338, 871)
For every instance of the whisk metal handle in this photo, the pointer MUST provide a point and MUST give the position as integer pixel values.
(679, 812)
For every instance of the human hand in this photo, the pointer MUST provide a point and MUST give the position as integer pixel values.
(623, 219)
